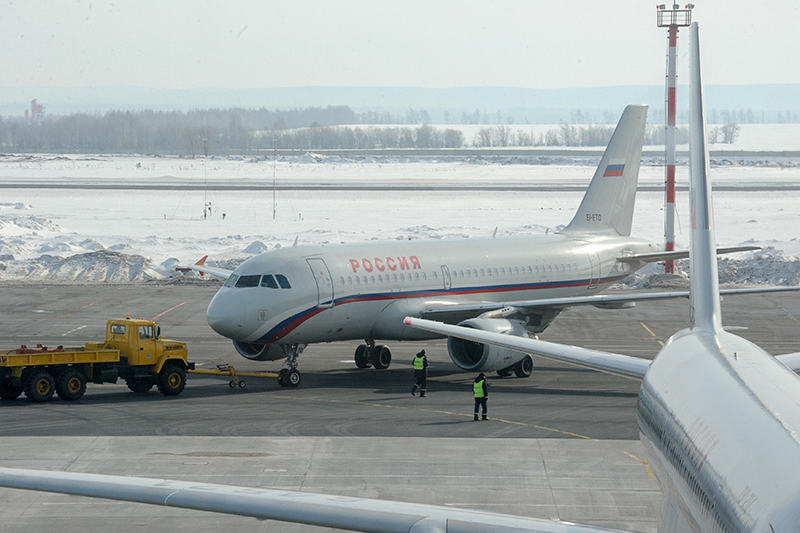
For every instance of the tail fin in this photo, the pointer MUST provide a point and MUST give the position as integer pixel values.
(704, 279)
(607, 206)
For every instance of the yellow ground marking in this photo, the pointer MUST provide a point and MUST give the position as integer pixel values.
(512, 422)
(645, 463)
(650, 331)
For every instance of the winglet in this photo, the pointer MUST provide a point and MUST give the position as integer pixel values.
(704, 303)
(607, 206)
(202, 262)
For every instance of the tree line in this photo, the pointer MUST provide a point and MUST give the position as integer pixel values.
(220, 131)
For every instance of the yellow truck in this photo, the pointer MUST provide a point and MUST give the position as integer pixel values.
(133, 350)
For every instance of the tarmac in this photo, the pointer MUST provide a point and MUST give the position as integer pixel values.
(562, 444)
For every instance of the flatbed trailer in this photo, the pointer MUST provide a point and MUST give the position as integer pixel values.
(133, 350)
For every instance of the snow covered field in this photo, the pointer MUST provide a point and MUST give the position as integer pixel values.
(140, 233)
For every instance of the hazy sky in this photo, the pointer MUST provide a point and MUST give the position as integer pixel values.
(432, 43)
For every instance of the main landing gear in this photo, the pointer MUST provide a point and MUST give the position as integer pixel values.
(370, 354)
(521, 369)
(290, 376)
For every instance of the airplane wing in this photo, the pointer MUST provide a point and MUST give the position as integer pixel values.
(611, 363)
(220, 272)
(354, 514)
(201, 267)
(456, 312)
(680, 254)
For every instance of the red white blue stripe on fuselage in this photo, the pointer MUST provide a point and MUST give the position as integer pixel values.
(286, 326)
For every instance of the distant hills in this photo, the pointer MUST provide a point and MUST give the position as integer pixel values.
(768, 103)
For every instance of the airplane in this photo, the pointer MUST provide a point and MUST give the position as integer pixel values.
(275, 304)
(719, 417)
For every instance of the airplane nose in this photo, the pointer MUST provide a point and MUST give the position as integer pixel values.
(225, 315)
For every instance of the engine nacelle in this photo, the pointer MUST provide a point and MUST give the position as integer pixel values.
(259, 352)
(476, 357)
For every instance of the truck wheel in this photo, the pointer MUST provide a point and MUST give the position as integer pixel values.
(40, 386)
(8, 391)
(171, 380)
(71, 385)
(139, 385)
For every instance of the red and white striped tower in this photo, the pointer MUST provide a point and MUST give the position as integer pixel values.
(672, 19)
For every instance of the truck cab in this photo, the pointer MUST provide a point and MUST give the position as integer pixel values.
(140, 343)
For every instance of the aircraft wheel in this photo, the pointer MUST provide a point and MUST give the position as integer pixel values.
(362, 357)
(505, 372)
(282, 376)
(524, 368)
(40, 386)
(70, 385)
(232, 384)
(381, 357)
(242, 384)
(292, 378)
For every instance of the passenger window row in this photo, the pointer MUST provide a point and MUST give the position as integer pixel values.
(278, 281)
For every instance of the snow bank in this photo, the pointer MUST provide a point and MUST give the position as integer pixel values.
(137, 234)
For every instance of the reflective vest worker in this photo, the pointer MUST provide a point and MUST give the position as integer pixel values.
(481, 391)
(421, 373)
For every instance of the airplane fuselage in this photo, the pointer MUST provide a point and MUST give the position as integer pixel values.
(364, 290)
(720, 419)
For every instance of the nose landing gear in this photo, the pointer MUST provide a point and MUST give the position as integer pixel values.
(290, 376)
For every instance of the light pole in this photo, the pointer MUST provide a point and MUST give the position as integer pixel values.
(671, 19)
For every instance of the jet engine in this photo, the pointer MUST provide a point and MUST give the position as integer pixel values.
(477, 357)
(259, 352)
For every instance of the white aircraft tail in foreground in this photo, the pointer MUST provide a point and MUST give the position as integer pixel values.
(719, 417)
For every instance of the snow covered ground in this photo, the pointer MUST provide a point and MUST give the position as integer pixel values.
(139, 232)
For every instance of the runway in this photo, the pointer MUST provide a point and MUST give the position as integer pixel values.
(560, 444)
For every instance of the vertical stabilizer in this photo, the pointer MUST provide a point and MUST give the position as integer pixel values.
(704, 279)
(607, 206)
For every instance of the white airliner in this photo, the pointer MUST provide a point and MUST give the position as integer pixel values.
(719, 417)
(275, 304)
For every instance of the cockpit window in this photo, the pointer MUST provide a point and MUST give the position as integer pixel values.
(231, 281)
(283, 282)
(268, 281)
(248, 281)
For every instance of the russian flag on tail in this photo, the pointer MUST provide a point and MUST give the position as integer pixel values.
(613, 171)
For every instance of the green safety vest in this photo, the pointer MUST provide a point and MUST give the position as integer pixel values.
(419, 363)
(477, 388)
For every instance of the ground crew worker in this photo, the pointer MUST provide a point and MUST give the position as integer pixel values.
(481, 390)
(421, 373)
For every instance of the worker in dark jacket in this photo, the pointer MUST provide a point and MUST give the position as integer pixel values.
(481, 390)
(421, 373)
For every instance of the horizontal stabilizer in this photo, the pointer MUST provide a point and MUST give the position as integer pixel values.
(654, 257)
(457, 312)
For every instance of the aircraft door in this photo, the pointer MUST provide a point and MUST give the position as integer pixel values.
(594, 259)
(446, 278)
(322, 276)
